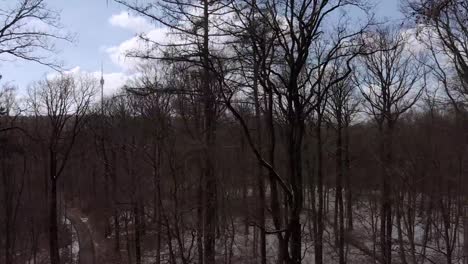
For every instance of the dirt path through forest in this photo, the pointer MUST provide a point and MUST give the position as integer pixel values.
(85, 239)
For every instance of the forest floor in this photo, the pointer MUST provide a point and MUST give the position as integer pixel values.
(238, 247)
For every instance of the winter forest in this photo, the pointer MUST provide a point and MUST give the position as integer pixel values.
(254, 131)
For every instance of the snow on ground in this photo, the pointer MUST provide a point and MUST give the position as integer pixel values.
(362, 243)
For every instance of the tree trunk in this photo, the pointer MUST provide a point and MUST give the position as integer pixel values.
(53, 225)
(200, 219)
(400, 230)
(274, 195)
(260, 179)
(137, 227)
(465, 235)
(386, 205)
(8, 206)
(295, 212)
(339, 216)
(157, 205)
(347, 178)
(210, 212)
(319, 214)
(117, 231)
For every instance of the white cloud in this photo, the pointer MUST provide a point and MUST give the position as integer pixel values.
(118, 54)
(133, 23)
(162, 35)
(113, 81)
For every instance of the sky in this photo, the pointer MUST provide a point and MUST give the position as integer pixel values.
(104, 29)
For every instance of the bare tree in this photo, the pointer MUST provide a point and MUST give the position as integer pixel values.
(28, 30)
(443, 28)
(342, 104)
(12, 175)
(195, 24)
(298, 88)
(64, 101)
(390, 80)
(442, 25)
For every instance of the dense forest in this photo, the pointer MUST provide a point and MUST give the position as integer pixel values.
(258, 131)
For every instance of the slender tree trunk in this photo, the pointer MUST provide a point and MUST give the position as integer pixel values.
(116, 213)
(296, 183)
(388, 193)
(8, 214)
(137, 225)
(339, 188)
(8, 255)
(117, 232)
(159, 233)
(274, 195)
(157, 203)
(200, 218)
(210, 212)
(260, 179)
(347, 178)
(53, 224)
(107, 227)
(142, 217)
(386, 199)
(319, 214)
(465, 234)
(129, 248)
(400, 230)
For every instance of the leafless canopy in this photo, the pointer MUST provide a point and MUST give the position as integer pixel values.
(28, 30)
(443, 26)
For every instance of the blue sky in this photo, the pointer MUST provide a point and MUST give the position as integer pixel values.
(89, 20)
(102, 30)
